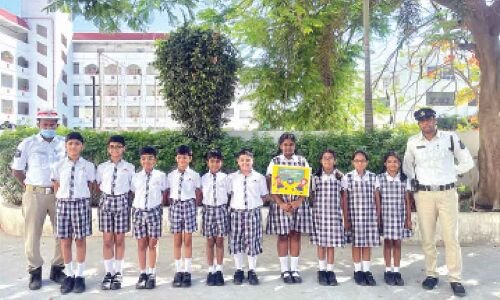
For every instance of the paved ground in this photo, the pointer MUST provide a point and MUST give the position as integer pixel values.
(481, 264)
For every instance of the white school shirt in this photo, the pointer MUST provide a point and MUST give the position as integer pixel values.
(221, 188)
(190, 182)
(392, 179)
(83, 173)
(256, 188)
(282, 158)
(157, 185)
(124, 173)
(38, 156)
(325, 177)
(355, 177)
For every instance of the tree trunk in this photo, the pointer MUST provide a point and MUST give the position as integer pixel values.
(368, 79)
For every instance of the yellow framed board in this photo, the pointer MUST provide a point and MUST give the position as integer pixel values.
(290, 180)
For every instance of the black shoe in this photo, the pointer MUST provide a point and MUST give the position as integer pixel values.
(389, 278)
(370, 281)
(458, 289)
(186, 279)
(322, 279)
(430, 282)
(116, 282)
(359, 278)
(287, 277)
(398, 280)
(141, 283)
(296, 277)
(35, 279)
(238, 277)
(177, 279)
(151, 281)
(219, 278)
(68, 284)
(331, 278)
(57, 274)
(79, 285)
(252, 278)
(211, 279)
(106, 282)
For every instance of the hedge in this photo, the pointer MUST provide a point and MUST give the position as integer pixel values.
(264, 147)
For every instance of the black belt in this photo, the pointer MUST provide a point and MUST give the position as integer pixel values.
(435, 188)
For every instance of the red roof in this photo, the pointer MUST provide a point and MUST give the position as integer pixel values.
(13, 18)
(118, 36)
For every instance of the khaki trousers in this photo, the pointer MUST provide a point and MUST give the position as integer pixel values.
(430, 206)
(36, 206)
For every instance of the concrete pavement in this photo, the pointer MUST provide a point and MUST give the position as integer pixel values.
(481, 277)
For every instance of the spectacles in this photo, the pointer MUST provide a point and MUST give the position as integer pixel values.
(115, 147)
(359, 160)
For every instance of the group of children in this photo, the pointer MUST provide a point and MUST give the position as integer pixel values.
(357, 207)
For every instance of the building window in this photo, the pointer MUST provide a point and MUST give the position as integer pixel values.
(64, 120)
(76, 90)
(76, 68)
(111, 90)
(88, 90)
(111, 112)
(64, 77)
(473, 103)
(41, 69)
(41, 30)
(7, 57)
(65, 99)
(64, 40)
(151, 70)
(91, 69)
(151, 111)
(41, 48)
(133, 70)
(7, 106)
(7, 81)
(112, 70)
(152, 90)
(133, 111)
(441, 72)
(22, 62)
(23, 84)
(23, 108)
(440, 98)
(76, 111)
(64, 57)
(87, 112)
(41, 93)
(133, 90)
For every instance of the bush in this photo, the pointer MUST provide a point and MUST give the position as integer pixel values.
(264, 148)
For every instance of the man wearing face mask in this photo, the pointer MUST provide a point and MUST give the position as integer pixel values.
(31, 168)
(430, 162)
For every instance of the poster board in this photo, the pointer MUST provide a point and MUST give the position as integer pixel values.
(290, 180)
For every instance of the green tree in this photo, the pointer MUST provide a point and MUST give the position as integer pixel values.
(198, 77)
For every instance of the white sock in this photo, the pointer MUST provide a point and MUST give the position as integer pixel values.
(366, 265)
(143, 271)
(294, 263)
(152, 271)
(119, 266)
(284, 264)
(187, 264)
(322, 264)
(238, 261)
(68, 269)
(80, 267)
(211, 269)
(178, 265)
(108, 266)
(357, 266)
(252, 262)
(388, 269)
(218, 268)
(329, 267)
(396, 269)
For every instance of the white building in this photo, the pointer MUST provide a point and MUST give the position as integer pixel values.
(44, 64)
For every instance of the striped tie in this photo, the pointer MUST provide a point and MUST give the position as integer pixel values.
(245, 192)
(215, 189)
(72, 181)
(148, 177)
(181, 178)
(113, 181)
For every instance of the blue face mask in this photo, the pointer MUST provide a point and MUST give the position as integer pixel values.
(48, 133)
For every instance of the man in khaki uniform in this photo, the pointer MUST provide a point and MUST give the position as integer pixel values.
(31, 167)
(430, 162)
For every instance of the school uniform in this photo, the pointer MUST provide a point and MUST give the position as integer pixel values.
(279, 221)
(393, 206)
(182, 212)
(245, 233)
(114, 181)
(362, 209)
(74, 217)
(327, 212)
(215, 220)
(147, 210)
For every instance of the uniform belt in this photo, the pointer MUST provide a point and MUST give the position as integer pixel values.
(39, 189)
(435, 188)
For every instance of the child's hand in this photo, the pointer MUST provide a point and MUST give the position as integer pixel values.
(408, 224)
(285, 206)
(295, 204)
(347, 225)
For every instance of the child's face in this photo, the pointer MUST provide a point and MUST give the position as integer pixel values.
(287, 147)
(392, 164)
(74, 148)
(245, 162)
(327, 161)
(148, 162)
(116, 150)
(183, 161)
(214, 164)
(359, 162)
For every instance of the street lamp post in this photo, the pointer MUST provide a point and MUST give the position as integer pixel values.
(93, 101)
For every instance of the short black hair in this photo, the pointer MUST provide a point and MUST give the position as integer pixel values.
(116, 139)
(148, 151)
(244, 151)
(184, 150)
(362, 152)
(74, 136)
(214, 153)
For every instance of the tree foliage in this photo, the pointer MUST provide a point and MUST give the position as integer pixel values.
(198, 77)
